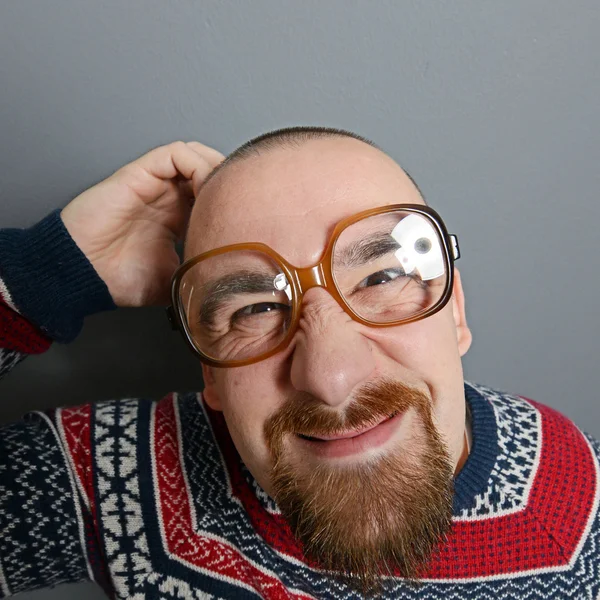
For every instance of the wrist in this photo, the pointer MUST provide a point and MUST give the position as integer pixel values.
(50, 280)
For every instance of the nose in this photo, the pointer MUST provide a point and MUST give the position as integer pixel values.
(331, 357)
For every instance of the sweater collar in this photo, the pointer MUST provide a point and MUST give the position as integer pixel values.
(473, 477)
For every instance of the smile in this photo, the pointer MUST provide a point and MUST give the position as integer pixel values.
(353, 442)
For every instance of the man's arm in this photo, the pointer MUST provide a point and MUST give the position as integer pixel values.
(47, 288)
(112, 245)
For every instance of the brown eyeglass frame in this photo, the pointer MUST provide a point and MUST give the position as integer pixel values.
(318, 275)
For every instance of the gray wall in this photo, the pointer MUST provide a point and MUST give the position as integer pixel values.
(492, 106)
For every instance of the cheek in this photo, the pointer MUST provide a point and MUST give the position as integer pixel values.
(249, 395)
(428, 350)
(428, 347)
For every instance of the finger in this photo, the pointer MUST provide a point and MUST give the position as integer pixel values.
(167, 162)
(213, 156)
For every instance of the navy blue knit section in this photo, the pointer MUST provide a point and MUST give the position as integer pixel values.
(50, 279)
(473, 477)
(39, 533)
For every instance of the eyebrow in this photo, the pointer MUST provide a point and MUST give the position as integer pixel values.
(362, 252)
(222, 289)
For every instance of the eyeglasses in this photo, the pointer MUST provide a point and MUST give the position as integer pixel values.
(386, 266)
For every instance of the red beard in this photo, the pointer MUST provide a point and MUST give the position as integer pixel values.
(374, 517)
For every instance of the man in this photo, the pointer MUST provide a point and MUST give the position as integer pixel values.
(336, 451)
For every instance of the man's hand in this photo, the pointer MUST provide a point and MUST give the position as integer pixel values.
(128, 224)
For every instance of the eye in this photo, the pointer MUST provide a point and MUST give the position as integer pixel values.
(259, 308)
(383, 276)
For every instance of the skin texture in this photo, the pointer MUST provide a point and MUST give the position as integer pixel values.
(291, 198)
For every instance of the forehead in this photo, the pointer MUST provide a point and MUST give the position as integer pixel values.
(291, 198)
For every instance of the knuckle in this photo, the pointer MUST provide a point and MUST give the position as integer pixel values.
(178, 145)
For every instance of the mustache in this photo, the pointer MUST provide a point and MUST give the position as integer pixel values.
(304, 414)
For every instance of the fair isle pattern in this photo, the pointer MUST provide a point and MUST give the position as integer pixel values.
(115, 438)
(41, 528)
(579, 579)
(518, 430)
(213, 549)
(74, 426)
(247, 540)
(156, 552)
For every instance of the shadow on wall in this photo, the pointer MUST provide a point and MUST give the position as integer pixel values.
(119, 354)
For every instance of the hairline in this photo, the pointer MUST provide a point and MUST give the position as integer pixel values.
(290, 137)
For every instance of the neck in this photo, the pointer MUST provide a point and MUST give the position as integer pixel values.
(467, 442)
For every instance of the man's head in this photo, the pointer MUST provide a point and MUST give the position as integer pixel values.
(385, 498)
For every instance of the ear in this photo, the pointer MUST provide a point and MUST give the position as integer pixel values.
(210, 389)
(463, 333)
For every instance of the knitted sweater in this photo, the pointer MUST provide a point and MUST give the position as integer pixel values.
(151, 500)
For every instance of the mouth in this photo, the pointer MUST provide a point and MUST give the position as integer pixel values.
(348, 434)
(351, 442)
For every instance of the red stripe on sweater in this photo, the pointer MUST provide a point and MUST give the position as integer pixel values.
(17, 333)
(76, 424)
(546, 533)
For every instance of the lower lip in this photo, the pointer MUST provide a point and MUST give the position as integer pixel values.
(373, 438)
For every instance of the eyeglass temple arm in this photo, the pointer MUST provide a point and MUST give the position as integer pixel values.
(455, 246)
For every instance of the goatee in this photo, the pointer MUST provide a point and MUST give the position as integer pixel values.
(382, 515)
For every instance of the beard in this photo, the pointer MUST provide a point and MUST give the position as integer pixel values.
(379, 515)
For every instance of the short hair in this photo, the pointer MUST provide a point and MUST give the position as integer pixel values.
(291, 137)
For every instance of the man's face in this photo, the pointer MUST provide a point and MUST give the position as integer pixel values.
(337, 373)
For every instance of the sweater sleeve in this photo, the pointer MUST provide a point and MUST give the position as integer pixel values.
(47, 288)
(47, 530)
